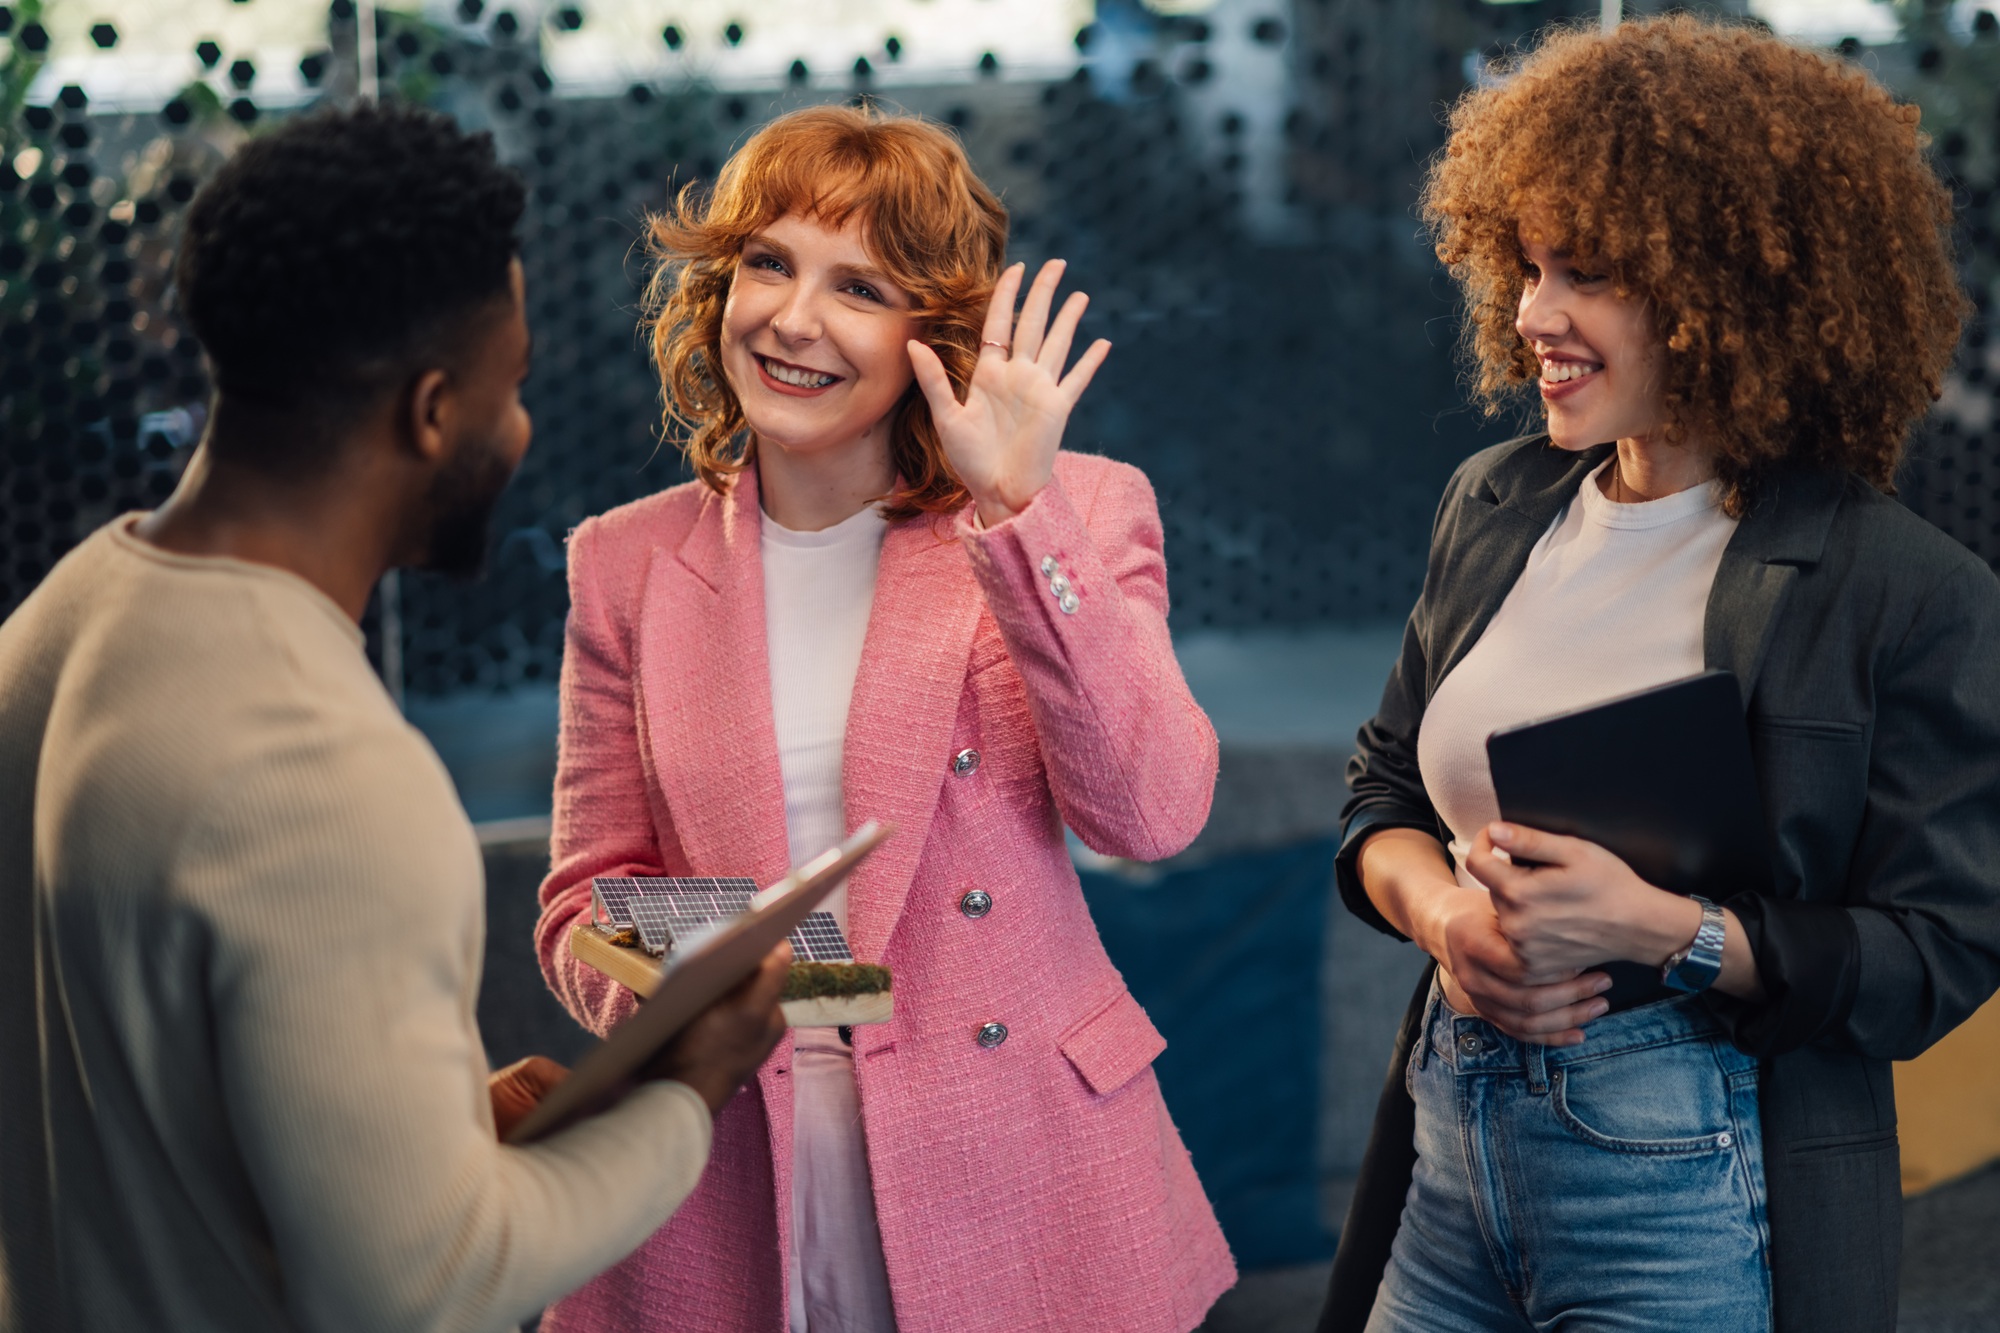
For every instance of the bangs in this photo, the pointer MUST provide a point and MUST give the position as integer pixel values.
(794, 175)
(904, 181)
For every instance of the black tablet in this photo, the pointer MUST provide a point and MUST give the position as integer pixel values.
(1662, 778)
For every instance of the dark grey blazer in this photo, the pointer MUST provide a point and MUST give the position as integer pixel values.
(1867, 644)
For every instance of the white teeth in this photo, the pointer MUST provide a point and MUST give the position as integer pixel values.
(1561, 372)
(802, 379)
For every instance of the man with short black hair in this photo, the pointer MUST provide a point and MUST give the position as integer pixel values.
(241, 909)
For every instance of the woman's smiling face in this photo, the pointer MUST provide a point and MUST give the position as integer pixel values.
(1601, 361)
(813, 336)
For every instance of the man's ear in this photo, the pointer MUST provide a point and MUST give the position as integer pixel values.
(432, 419)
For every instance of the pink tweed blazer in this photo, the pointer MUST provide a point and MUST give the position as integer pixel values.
(1037, 1185)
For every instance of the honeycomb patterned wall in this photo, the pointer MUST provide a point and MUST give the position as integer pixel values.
(1231, 181)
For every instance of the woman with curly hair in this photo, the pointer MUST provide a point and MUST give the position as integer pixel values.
(889, 595)
(1721, 262)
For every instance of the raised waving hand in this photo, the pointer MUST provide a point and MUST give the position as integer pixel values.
(1002, 440)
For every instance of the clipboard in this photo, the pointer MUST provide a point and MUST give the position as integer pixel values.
(1663, 778)
(695, 979)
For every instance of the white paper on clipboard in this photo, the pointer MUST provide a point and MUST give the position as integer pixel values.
(697, 978)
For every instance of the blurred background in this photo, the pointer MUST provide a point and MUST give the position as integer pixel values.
(1233, 183)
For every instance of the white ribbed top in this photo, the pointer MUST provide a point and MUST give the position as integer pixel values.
(1613, 599)
(818, 590)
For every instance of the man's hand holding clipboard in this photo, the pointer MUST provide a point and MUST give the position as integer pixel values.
(715, 1015)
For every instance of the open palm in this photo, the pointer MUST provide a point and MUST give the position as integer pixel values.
(1002, 440)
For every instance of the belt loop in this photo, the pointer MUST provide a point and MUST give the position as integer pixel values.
(1538, 1068)
(1424, 1025)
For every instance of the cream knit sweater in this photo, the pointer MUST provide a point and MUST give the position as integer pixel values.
(241, 914)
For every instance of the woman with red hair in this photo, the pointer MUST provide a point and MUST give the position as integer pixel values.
(888, 595)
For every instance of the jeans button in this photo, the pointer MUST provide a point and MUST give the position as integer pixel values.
(1724, 1139)
(1470, 1043)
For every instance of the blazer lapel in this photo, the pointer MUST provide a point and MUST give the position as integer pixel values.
(1498, 527)
(705, 679)
(1784, 530)
(904, 708)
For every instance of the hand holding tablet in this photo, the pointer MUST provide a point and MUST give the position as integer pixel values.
(697, 979)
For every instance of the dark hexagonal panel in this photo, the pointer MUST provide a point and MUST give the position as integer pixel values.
(1132, 165)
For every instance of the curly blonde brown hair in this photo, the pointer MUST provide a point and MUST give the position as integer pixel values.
(1771, 204)
(931, 224)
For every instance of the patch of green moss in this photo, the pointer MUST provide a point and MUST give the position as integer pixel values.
(814, 981)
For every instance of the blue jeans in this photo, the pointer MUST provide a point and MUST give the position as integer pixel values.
(1616, 1185)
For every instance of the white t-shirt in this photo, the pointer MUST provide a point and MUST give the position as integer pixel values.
(1613, 599)
(818, 590)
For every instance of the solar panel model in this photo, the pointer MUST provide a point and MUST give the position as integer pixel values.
(664, 911)
(827, 988)
(611, 895)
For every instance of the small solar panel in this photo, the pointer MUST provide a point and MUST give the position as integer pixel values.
(609, 894)
(653, 919)
(666, 911)
(818, 940)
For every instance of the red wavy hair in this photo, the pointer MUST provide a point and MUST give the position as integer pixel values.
(933, 226)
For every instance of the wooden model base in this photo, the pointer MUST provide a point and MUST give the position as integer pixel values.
(639, 972)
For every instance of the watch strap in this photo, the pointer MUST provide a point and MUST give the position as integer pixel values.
(1695, 967)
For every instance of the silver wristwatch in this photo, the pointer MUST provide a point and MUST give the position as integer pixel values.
(1695, 967)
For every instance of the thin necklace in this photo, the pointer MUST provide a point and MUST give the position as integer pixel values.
(1617, 485)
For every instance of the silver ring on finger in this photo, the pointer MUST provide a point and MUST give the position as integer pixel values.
(1005, 349)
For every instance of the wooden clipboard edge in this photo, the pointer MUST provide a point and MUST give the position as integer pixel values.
(696, 980)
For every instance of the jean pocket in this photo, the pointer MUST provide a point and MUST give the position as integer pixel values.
(1668, 1100)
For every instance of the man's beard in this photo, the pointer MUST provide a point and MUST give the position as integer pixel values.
(460, 510)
